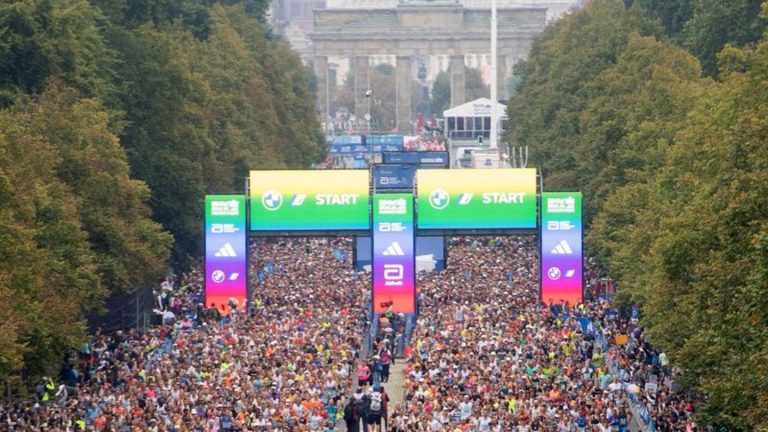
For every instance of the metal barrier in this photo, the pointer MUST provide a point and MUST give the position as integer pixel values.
(639, 410)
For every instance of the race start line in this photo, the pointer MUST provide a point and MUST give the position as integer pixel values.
(393, 206)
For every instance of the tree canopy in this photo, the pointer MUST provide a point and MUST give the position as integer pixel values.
(116, 118)
(673, 167)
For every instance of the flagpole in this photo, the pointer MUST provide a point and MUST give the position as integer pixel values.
(494, 89)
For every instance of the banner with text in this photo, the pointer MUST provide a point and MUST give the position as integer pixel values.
(393, 176)
(562, 262)
(226, 252)
(418, 158)
(394, 255)
(307, 200)
(477, 199)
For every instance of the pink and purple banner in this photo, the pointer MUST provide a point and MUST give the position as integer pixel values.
(394, 255)
(562, 261)
(226, 253)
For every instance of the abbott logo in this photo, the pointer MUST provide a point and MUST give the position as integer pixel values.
(391, 227)
(465, 198)
(394, 250)
(560, 226)
(393, 275)
(298, 200)
(272, 200)
(224, 228)
(439, 199)
(562, 248)
(226, 251)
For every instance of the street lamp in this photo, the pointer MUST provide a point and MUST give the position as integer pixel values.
(368, 94)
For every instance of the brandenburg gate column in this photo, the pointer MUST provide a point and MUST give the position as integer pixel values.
(361, 86)
(501, 77)
(403, 79)
(457, 80)
(321, 71)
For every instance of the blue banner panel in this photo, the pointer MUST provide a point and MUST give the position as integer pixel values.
(342, 149)
(393, 176)
(417, 158)
(345, 139)
(396, 140)
(427, 247)
(362, 252)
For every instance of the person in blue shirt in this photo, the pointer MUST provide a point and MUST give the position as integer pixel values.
(225, 423)
(623, 419)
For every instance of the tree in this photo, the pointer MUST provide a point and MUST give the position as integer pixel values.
(558, 83)
(130, 249)
(40, 38)
(473, 85)
(673, 14)
(47, 266)
(441, 93)
(705, 27)
(201, 113)
(716, 23)
(441, 89)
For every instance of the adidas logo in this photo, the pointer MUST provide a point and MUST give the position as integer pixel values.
(394, 250)
(226, 251)
(563, 248)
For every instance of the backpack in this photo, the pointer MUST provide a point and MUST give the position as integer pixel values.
(375, 407)
(350, 412)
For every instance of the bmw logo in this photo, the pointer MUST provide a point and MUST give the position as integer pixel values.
(554, 273)
(439, 199)
(272, 200)
(217, 276)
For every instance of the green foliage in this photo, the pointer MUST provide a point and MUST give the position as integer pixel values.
(441, 93)
(115, 113)
(40, 38)
(705, 27)
(673, 14)
(130, 249)
(200, 114)
(48, 268)
(194, 15)
(716, 23)
(473, 88)
(675, 173)
(557, 85)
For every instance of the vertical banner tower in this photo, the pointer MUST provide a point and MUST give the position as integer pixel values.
(562, 251)
(394, 253)
(226, 252)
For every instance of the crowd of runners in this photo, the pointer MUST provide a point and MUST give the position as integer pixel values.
(485, 356)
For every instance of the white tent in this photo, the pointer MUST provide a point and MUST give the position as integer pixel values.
(477, 108)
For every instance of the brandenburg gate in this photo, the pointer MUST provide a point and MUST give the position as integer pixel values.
(419, 28)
